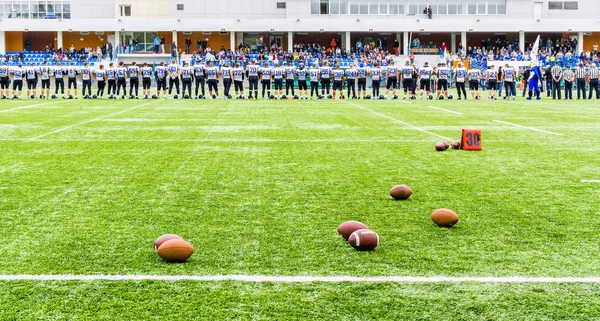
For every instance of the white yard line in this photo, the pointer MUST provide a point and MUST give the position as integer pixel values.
(399, 121)
(90, 121)
(31, 106)
(298, 279)
(446, 110)
(224, 140)
(590, 180)
(530, 128)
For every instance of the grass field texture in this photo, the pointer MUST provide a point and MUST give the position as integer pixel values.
(259, 187)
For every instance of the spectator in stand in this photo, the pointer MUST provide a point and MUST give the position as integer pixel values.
(444, 47)
(188, 44)
(198, 44)
(28, 44)
(430, 12)
(333, 43)
(396, 46)
(162, 44)
(156, 44)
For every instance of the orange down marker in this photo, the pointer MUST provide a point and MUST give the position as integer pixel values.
(471, 139)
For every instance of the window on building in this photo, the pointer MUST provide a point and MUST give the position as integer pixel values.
(555, 5)
(344, 4)
(411, 7)
(280, 5)
(180, 7)
(364, 7)
(125, 10)
(571, 5)
(334, 7)
(324, 6)
(315, 6)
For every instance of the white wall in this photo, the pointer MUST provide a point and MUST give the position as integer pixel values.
(232, 9)
(96, 9)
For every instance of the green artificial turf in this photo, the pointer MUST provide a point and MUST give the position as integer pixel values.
(259, 187)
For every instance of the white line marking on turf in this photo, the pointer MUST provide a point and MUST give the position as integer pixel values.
(590, 180)
(90, 121)
(31, 106)
(530, 128)
(399, 121)
(224, 140)
(300, 279)
(446, 110)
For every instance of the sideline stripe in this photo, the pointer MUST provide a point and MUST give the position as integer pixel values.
(590, 180)
(446, 110)
(530, 128)
(90, 121)
(31, 106)
(300, 279)
(399, 121)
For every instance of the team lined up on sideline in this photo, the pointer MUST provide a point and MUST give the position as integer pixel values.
(324, 81)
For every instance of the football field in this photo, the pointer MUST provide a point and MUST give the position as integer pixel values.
(259, 188)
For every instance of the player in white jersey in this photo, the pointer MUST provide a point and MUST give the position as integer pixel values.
(391, 74)
(474, 78)
(460, 76)
(361, 80)
(4, 84)
(161, 73)
(18, 74)
(32, 79)
(86, 79)
(290, 76)
(174, 71)
(212, 75)
(226, 72)
(314, 74)
(58, 72)
(351, 81)
(121, 73)
(252, 71)
(111, 80)
(101, 81)
(238, 80)
(325, 78)
(134, 81)
(338, 81)
(199, 78)
(425, 80)
(490, 79)
(302, 87)
(508, 77)
(407, 78)
(44, 73)
(266, 77)
(72, 73)
(443, 74)
(278, 78)
(186, 79)
(376, 79)
(146, 72)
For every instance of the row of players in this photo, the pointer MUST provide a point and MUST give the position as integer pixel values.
(168, 77)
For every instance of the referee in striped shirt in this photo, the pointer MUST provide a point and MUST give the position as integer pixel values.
(568, 76)
(581, 80)
(593, 73)
(556, 77)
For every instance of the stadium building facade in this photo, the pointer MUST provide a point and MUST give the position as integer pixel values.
(227, 23)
